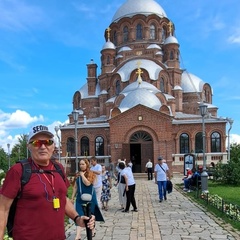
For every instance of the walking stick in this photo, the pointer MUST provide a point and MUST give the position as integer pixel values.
(87, 212)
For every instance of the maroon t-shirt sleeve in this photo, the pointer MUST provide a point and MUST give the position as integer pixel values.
(12, 182)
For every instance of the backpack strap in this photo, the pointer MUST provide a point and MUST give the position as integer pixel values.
(59, 170)
(27, 172)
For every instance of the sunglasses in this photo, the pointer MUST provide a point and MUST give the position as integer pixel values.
(39, 143)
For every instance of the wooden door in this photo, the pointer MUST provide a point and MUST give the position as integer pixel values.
(146, 153)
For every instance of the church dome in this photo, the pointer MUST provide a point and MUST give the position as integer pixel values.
(191, 83)
(170, 39)
(140, 96)
(84, 91)
(133, 86)
(108, 45)
(134, 7)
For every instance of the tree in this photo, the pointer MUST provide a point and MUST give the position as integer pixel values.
(230, 173)
(235, 152)
(19, 151)
(3, 160)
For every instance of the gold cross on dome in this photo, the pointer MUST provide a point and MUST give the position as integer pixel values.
(108, 32)
(170, 27)
(139, 72)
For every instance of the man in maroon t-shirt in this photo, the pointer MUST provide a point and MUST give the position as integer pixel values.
(43, 203)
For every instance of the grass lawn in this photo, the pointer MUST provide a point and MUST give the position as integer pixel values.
(228, 193)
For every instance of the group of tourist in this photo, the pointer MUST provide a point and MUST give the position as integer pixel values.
(48, 185)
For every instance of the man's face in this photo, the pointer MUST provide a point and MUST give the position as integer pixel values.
(41, 152)
(93, 162)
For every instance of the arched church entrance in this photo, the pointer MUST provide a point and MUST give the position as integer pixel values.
(141, 149)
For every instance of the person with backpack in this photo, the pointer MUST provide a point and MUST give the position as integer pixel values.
(39, 194)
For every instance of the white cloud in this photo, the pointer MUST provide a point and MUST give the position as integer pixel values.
(13, 125)
(235, 138)
(235, 37)
(16, 121)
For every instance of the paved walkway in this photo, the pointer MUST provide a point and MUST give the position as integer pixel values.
(174, 219)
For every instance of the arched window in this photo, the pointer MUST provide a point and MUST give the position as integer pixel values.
(115, 38)
(152, 31)
(108, 60)
(139, 32)
(206, 95)
(163, 34)
(84, 146)
(99, 146)
(70, 147)
(215, 142)
(140, 136)
(184, 143)
(77, 100)
(162, 87)
(199, 143)
(171, 55)
(177, 55)
(118, 87)
(125, 34)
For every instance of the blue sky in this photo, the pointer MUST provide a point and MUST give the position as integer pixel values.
(46, 44)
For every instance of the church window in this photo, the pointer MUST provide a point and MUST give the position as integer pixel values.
(108, 60)
(84, 146)
(77, 100)
(125, 34)
(215, 142)
(99, 146)
(140, 136)
(184, 143)
(118, 87)
(70, 146)
(177, 55)
(206, 95)
(115, 38)
(199, 142)
(139, 34)
(171, 55)
(163, 34)
(152, 31)
(162, 86)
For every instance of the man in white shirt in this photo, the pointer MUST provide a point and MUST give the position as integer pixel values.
(97, 169)
(149, 166)
(161, 173)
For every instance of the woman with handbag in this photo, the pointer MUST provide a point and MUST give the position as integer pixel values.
(85, 194)
(121, 185)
